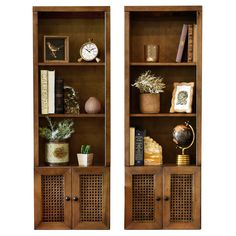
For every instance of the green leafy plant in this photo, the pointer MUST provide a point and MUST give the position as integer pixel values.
(57, 131)
(85, 149)
(149, 83)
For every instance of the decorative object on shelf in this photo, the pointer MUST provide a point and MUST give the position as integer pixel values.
(182, 41)
(151, 52)
(150, 87)
(56, 48)
(184, 137)
(152, 152)
(89, 51)
(182, 97)
(71, 100)
(57, 150)
(85, 158)
(92, 105)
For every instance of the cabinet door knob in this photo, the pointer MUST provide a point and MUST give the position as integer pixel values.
(158, 199)
(166, 198)
(67, 198)
(75, 198)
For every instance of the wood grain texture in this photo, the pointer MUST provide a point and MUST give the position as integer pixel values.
(162, 8)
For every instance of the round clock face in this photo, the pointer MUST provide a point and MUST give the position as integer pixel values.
(89, 51)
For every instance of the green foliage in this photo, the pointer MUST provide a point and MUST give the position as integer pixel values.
(149, 83)
(57, 131)
(85, 149)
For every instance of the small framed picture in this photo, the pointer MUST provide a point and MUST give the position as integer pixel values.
(182, 97)
(56, 48)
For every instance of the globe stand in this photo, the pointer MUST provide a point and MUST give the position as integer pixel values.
(184, 159)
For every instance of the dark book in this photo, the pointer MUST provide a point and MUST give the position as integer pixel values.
(182, 43)
(59, 96)
(139, 147)
(190, 43)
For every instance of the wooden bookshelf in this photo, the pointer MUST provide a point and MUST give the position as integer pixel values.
(155, 195)
(62, 200)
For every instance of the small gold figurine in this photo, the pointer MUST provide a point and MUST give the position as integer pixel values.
(53, 49)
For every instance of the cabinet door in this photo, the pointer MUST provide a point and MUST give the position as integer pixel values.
(52, 198)
(143, 198)
(181, 208)
(90, 198)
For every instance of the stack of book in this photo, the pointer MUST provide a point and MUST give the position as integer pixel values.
(52, 93)
(188, 40)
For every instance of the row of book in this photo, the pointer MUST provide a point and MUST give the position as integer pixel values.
(143, 149)
(52, 93)
(188, 41)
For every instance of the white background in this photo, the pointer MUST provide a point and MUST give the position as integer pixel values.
(219, 117)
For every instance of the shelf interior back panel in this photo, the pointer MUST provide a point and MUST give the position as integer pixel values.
(79, 26)
(161, 28)
(170, 75)
(87, 131)
(160, 129)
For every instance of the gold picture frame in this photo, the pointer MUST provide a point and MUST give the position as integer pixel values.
(182, 97)
(56, 48)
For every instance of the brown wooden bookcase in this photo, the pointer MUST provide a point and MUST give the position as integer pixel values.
(73, 197)
(166, 196)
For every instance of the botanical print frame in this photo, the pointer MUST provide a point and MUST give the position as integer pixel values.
(182, 97)
(56, 48)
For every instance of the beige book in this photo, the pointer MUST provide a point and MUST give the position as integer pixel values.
(44, 91)
(195, 43)
(51, 92)
(132, 146)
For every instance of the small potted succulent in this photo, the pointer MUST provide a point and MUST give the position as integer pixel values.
(85, 158)
(57, 149)
(150, 87)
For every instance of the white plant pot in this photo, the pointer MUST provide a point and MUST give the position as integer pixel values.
(85, 159)
(57, 153)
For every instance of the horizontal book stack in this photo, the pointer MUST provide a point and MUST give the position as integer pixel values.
(52, 93)
(188, 42)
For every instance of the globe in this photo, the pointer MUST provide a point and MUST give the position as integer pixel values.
(183, 135)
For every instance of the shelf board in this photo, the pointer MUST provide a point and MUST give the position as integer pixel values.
(72, 64)
(164, 115)
(162, 64)
(73, 115)
(163, 165)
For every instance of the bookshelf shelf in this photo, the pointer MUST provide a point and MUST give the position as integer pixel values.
(162, 64)
(163, 115)
(59, 188)
(168, 183)
(74, 115)
(72, 64)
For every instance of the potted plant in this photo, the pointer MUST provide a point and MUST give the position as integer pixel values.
(85, 158)
(150, 87)
(57, 149)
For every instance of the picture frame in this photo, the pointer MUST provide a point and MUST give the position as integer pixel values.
(182, 97)
(56, 48)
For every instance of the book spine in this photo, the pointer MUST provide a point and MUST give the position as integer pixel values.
(51, 92)
(132, 145)
(44, 91)
(139, 147)
(182, 43)
(190, 43)
(194, 43)
(59, 96)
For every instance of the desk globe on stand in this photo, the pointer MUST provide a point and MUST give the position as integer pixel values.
(183, 137)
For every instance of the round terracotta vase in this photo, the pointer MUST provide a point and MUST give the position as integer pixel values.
(92, 106)
(149, 102)
(57, 153)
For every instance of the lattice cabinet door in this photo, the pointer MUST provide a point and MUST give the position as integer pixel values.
(90, 198)
(181, 206)
(143, 198)
(52, 198)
